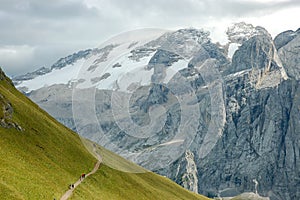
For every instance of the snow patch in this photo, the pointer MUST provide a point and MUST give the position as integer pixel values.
(122, 78)
(172, 70)
(232, 49)
(237, 74)
(57, 76)
(172, 142)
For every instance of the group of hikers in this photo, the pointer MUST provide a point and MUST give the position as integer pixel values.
(71, 186)
(82, 177)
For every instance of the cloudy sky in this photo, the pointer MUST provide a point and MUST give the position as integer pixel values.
(36, 33)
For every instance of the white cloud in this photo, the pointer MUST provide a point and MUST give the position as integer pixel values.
(13, 58)
(276, 22)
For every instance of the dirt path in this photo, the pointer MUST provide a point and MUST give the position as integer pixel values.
(70, 191)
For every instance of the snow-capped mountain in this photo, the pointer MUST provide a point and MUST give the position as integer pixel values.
(239, 33)
(212, 118)
(110, 59)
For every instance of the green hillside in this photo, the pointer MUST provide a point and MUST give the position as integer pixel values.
(42, 159)
(39, 158)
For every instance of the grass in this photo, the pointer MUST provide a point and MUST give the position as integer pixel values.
(113, 160)
(112, 184)
(41, 161)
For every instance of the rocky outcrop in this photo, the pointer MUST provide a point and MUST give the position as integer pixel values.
(190, 177)
(5, 112)
(6, 109)
(3, 77)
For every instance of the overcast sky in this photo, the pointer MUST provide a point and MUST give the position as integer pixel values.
(36, 33)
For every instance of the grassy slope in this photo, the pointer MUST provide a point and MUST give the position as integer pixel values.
(111, 184)
(40, 162)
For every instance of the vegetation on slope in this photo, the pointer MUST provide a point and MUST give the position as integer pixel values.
(43, 158)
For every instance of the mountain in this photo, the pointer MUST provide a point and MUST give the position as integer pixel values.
(39, 158)
(212, 118)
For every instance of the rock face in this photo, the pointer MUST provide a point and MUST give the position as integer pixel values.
(190, 177)
(285, 37)
(6, 109)
(289, 54)
(210, 123)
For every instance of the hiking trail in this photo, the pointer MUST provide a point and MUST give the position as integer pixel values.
(97, 165)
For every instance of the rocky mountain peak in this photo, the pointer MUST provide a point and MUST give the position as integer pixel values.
(71, 59)
(240, 32)
(185, 42)
(285, 37)
(256, 56)
(287, 44)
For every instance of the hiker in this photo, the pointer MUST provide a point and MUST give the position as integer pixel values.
(72, 186)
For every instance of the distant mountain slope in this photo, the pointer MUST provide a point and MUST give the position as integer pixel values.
(39, 158)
